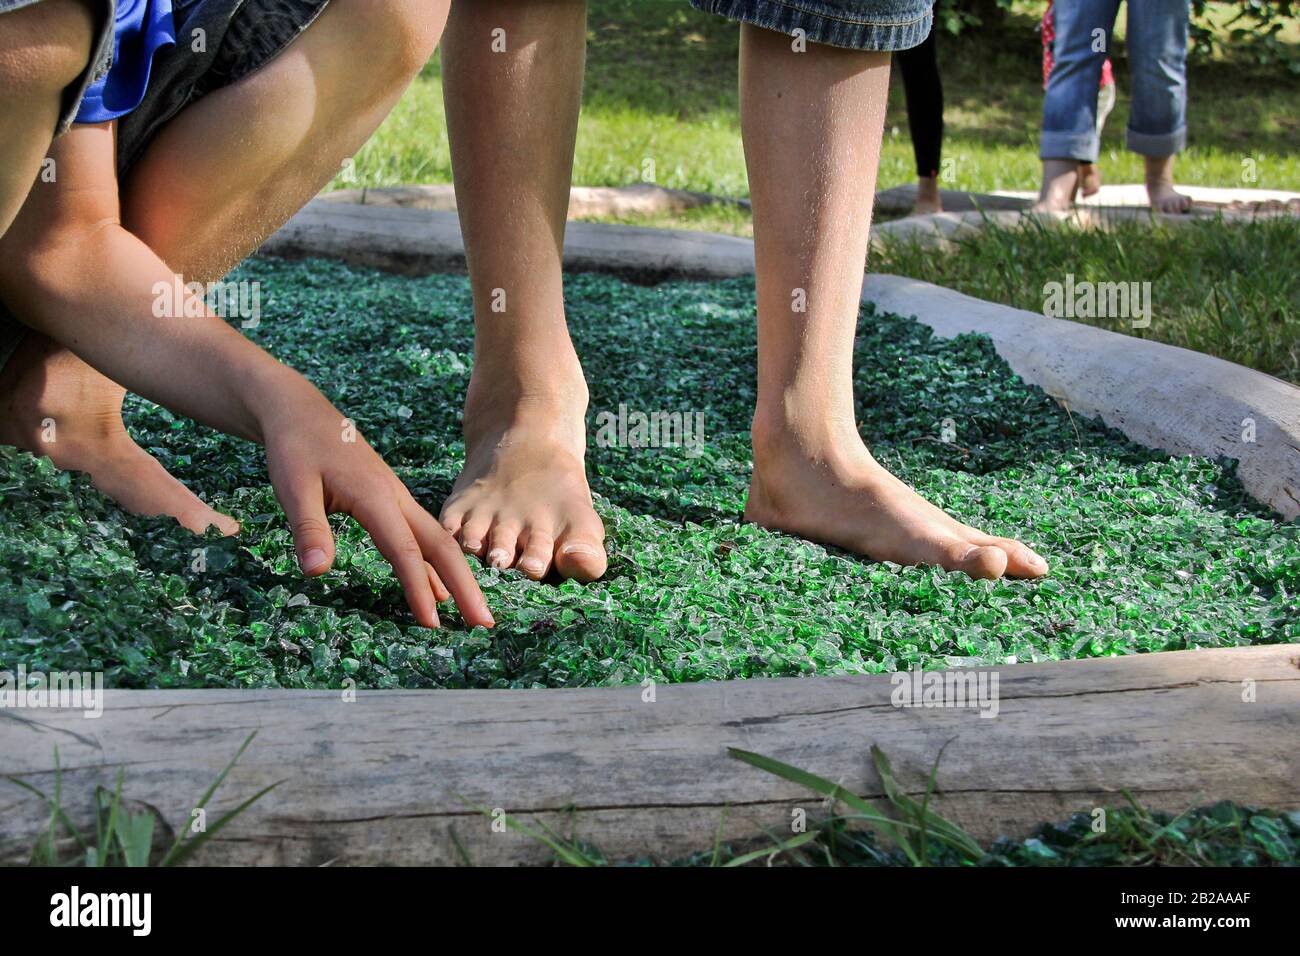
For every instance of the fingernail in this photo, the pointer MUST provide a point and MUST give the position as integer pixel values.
(498, 559)
(313, 560)
(579, 548)
(437, 621)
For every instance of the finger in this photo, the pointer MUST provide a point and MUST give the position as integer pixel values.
(440, 592)
(442, 551)
(381, 516)
(303, 500)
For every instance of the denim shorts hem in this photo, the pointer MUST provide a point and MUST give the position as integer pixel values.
(1081, 147)
(900, 25)
(1156, 144)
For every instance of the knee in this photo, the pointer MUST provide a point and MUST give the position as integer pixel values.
(45, 47)
(401, 34)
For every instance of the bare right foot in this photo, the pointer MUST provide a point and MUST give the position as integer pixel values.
(522, 500)
(1060, 183)
(53, 404)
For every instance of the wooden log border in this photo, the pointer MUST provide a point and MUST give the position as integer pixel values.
(385, 779)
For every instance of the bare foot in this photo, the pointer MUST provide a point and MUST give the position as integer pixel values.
(1160, 186)
(522, 500)
(1089, 179)
(53, 404)
(1164, 198)
(845, 498)
(1060, 183)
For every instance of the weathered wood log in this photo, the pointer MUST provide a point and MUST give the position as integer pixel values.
(420, 241)
(382, 779)
(638, 199)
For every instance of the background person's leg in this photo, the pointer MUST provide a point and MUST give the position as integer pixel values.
(923, 91)
(203, 200)
(512, 115)
(1157, 124)
(1069, 135)
(812, 125)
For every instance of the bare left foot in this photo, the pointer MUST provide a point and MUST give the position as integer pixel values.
(54, 404)
(835, 492)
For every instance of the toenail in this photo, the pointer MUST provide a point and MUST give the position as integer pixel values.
(498, 559)
(313, 560)
(471, 546)
(579, 548)
(536, 567)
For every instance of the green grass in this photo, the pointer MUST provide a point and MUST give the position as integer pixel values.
(1149, 552)
(1229, 290)
(661, 86)
(899, 831)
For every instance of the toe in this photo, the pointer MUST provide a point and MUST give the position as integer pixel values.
(502, 545)
(538, 553)
(978, 561)
(580, 554)
(1022, 560)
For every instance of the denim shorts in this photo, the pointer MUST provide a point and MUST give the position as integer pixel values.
(218, 42)
(883, 25)
(101, 55)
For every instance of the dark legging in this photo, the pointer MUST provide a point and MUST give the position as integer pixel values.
(924, 93)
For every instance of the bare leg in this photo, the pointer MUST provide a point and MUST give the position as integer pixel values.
(928, 201)
(522, 500)
(203, 210)
(1160, 186)
(812, 123)
(1089, 178)
(43, 49)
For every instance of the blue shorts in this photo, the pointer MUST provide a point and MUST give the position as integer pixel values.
(237, 38)
(883, 25)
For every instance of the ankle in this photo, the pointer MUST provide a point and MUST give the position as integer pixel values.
(787, 432)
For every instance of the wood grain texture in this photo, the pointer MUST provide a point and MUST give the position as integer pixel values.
(381, 779)
(420, 241)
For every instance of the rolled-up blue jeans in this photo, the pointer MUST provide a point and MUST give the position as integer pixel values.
(1157, 54)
